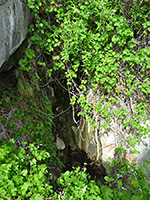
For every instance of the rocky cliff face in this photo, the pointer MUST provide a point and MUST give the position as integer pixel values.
(100, 144)
(14, 21)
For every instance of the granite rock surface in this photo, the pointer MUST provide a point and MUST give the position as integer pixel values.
(14, 22)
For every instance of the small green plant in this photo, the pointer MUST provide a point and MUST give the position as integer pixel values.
(75, 185)
(22, 175)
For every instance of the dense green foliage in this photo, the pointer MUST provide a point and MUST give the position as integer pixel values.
(24, 160)
(21, 174)
(76, 185)
(98, 44)
(29, 117)
(95, 44)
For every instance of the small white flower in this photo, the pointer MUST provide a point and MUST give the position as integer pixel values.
(84, 189)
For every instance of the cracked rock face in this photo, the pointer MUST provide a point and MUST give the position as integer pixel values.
(100, 144)
(14, 21)
(2, 2)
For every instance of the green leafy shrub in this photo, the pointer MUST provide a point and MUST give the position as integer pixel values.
(22, 175)
(77, 185)
(93, 40)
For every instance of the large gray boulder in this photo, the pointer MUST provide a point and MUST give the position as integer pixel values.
(100, 144)
(14, 21)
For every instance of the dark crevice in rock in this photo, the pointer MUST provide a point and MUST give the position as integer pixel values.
(71, 158)
(8, 79)
(78, 158)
